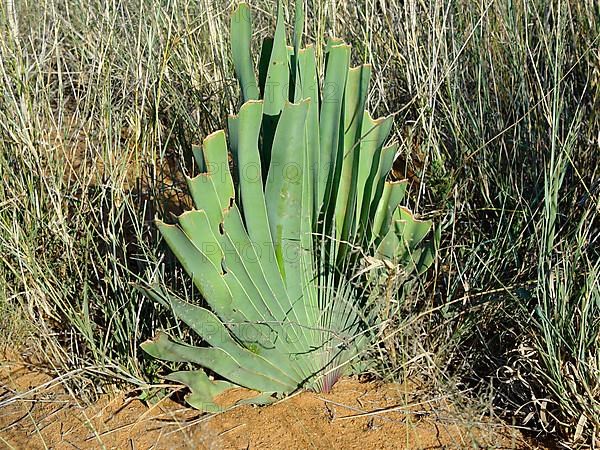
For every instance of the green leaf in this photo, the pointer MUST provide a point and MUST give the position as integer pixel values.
(414, 231)
(219, 361)
(241, 34)
(307, 87)
(203, 390)
(217, 166)
(268, 244)
(205, 196)
(207, 277)
(298, 26)
(331, 119)
(196, 226)
(355, 96)
(288, 208)
(252, 193)
(277, 79)
(199, 157)
(212, 330)
(295, 67)
(263, 64)
(385, 166)
(393, 193)
(374, 133)
(283, 192)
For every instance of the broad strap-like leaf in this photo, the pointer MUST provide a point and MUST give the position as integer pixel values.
(208, 326)
(307, 87)
(276, 87)
(393, 193)
(207, 276)
(263, 63)
(355, 96)
(287, 194)
(386, 161)
(203, 390)
(206, 198)
(196, 226)
(198, 157)
(252, 193)
(243, 373)
(415, 230)
(297, 42)
(402, 239)
(241, 33)
(374, 133)
(216, 159)
(243, 260)
(331, 120)
(283, 192)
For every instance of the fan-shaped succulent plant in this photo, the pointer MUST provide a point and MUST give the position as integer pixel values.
(271, 245)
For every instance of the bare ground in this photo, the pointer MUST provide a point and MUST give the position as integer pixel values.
(37, 412)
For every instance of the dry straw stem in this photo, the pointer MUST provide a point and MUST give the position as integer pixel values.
(486, 90)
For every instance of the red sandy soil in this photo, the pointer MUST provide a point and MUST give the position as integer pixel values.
(37, 412)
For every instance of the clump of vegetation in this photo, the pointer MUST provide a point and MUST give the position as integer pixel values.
(279, 258)
(100, 104)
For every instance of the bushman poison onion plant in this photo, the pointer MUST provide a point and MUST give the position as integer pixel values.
(277, 245)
